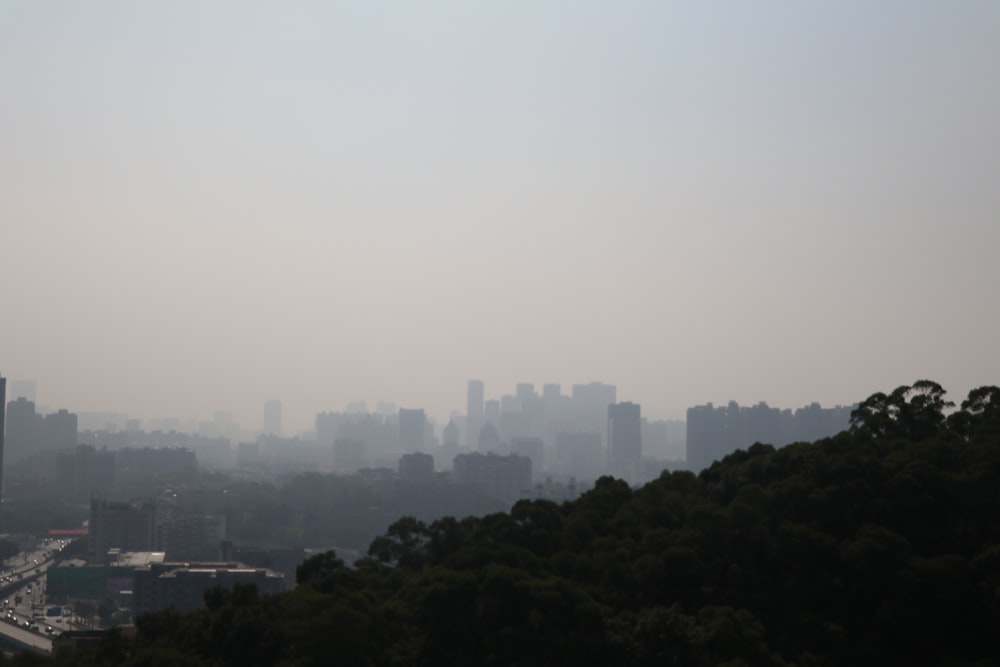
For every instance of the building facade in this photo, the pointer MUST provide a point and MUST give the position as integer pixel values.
(625, 442)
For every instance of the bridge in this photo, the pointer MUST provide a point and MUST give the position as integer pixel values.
(18, 638)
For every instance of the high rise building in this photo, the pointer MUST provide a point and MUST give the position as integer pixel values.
(524, 392)
(416, 468)
(473, 412)
(505, 478)
(117, 525)
(625, 442)
(23, 430)
(715, 432)
(83, 471)
(590, 406)
(412, 426)
(59, 431)
(272, 418)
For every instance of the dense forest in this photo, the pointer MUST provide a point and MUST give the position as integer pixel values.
(879, 546)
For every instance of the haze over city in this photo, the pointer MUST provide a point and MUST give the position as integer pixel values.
(204, 206)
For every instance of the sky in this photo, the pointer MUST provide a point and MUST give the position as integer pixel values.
(207, 205)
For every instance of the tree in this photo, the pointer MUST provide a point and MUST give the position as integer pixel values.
(403, 544)
(912, 412)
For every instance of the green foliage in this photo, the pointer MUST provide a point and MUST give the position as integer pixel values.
(879, 546)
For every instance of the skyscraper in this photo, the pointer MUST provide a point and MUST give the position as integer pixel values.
(590, 406)
(625, 442)
(473, 412)
(59, 431)
(272, 418)
(23, 428)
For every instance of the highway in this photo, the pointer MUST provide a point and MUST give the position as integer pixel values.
(24, 639)
(13, 634)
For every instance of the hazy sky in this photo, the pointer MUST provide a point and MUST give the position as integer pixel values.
(204, 205)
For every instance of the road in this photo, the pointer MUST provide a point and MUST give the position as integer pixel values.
(23, 638)
(21, 574)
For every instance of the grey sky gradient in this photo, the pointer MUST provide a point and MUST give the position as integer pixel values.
(206, 205)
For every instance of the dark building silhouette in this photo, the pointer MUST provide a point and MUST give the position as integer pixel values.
(715, 432)
(23, 427)
(83, 471)
(184, 534)
(504, 478)
(59, 431)
(625, 442)
(416, 468)
(285, 561)
(119, 525)
(159, 586)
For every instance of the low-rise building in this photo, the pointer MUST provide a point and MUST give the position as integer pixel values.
(183, 586)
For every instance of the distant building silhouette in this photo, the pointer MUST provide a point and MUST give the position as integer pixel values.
(449, 438)
(715, 432)
(473, 412)
(412, 428)
(59, 431)
(505, 478)
(272, 417)
(120, 525)
(83, 471)
(489, 439)
(23, 429)
(532, 448)
(625, 442)
(590, 406)
(416, 468)
(182, 586)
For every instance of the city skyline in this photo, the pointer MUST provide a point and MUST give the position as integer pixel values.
(204, 206)
(256, 418)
